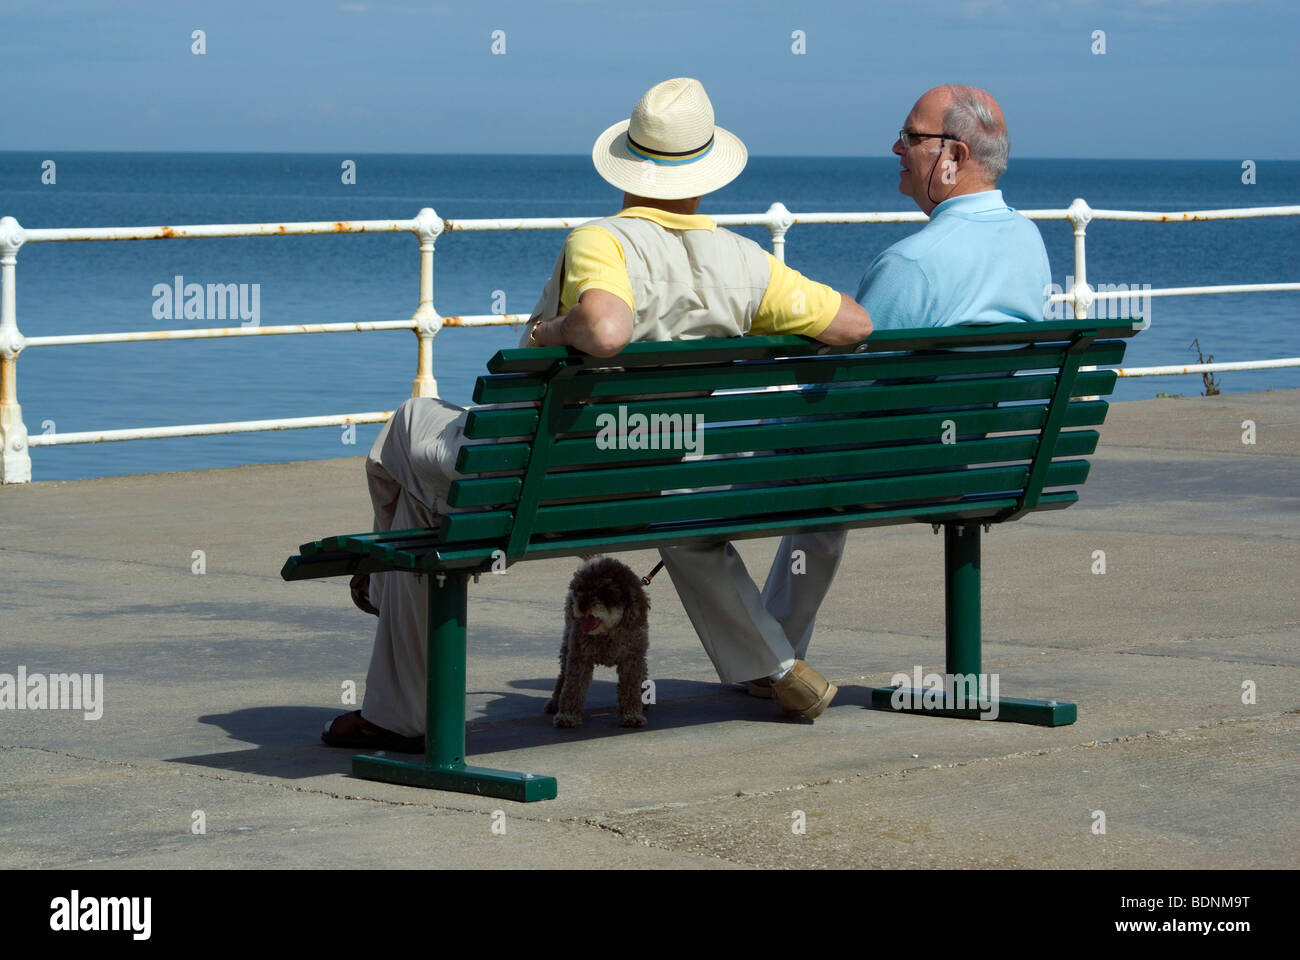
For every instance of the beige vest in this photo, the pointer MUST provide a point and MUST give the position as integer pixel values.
(687, 284)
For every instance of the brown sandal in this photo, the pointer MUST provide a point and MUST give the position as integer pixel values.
(355, 731)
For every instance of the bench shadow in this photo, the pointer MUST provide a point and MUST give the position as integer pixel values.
(286, 739)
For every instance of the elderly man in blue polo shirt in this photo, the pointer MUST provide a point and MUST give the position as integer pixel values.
(976, 261)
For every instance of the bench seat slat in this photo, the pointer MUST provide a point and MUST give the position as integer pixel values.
(331, 565)
(971, 509)
(387, 548)
(336, 544)
(481, 555)
(319, 565)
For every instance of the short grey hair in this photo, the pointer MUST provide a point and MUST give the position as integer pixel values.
(969, 120)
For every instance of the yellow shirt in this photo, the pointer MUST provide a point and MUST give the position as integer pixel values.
(594, 260)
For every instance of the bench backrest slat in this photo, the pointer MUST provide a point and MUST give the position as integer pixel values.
(643, 478)
(506, 457)
(538, 360)
(525, 388)
(768, 500)
(823, 401)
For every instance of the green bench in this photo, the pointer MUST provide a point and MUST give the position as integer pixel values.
(908, 430)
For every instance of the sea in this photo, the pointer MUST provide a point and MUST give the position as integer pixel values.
(98, 287)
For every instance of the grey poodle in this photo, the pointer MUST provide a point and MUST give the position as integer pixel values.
(604, 623)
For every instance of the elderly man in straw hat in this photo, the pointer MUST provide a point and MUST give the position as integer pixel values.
(656, 270)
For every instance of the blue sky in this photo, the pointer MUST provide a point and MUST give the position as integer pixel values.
(1182, 79)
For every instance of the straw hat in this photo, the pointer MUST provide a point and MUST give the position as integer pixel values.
(669, 149)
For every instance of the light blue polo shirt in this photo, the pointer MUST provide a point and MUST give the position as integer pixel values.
(976, 261)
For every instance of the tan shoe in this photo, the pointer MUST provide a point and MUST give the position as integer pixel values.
(804, 691)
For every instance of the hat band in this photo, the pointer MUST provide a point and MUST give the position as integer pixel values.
(658, 156)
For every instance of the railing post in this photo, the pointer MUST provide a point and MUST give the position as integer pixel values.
(1080, 214)
(779, 220)
(427, 225)
(15, 460)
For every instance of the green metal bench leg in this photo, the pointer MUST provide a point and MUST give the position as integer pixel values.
(444, 766)
(961, 550)
(961, 597)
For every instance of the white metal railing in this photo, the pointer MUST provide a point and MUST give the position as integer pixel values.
(15, 461)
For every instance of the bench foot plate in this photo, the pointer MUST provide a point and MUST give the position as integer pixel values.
(460, 777)
(1042, 713)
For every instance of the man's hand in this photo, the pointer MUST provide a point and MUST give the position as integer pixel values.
(851, 325)
(548, 333)
(600, 324)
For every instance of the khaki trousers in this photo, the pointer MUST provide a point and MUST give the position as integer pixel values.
(747, 633)
(409, 471)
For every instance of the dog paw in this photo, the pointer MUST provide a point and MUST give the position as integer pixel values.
(631, 720)
(552, 705)
(567, 720)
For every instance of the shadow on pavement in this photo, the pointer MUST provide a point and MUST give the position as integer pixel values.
(287, 741)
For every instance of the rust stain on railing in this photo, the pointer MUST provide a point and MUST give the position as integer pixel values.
(481, 320)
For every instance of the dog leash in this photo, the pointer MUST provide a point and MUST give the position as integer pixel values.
(645, 581)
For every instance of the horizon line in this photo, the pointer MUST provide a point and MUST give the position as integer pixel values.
(586, 155)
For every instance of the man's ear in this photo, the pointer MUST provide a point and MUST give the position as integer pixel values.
(960, 152)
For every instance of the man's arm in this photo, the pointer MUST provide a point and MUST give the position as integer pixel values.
(794, 304)
(600, 324)
(852, 324)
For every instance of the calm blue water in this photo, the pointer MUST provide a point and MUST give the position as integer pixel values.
(98, 287)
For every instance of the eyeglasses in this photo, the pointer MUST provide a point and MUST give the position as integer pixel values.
(911, 139)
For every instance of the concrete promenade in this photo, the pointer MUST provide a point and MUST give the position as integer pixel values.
(216, 686)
